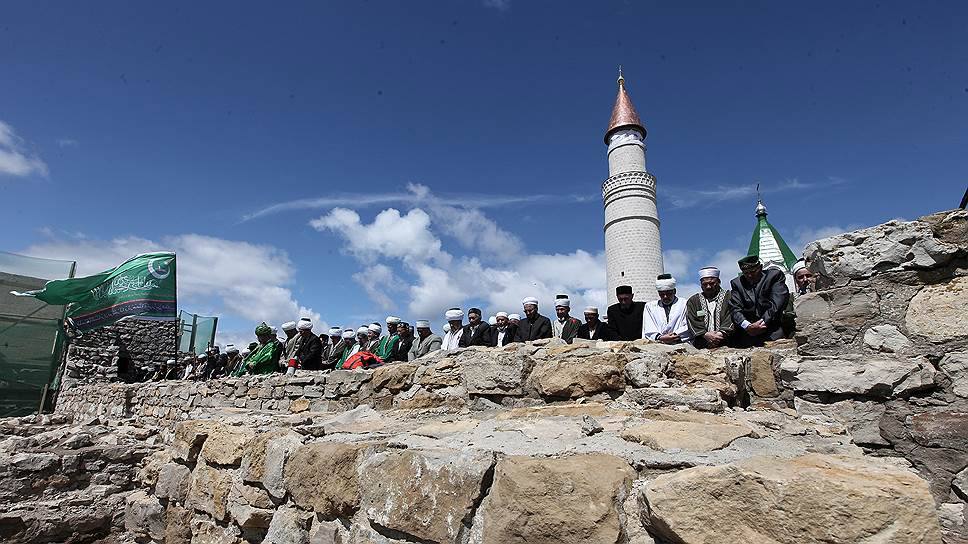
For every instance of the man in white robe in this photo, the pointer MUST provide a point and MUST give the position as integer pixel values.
(455, 318)
(665, 319)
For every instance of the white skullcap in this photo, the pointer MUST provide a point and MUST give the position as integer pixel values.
(229, 348)
(514, 316)
(529, 300)
(454, 315)
(591, 310)
(708, 272)
(374, 327)
(203, 356)
(335, 331)
(305, 325)
(170, 362)
(501, 314)
(347, 334)
(362, 330)
(392, 320)
(562, 302)
(798, 266)
(666, 284)
(423, 324)
(289, 326)
(245, 352)
(492, 320)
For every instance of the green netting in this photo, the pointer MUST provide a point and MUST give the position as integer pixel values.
(31, 339)
(195, 332)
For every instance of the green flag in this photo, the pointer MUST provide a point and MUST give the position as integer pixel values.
(143, 285)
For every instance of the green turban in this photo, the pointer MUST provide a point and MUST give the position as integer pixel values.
(263, 329)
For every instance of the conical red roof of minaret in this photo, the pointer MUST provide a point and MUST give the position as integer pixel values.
(623, 113)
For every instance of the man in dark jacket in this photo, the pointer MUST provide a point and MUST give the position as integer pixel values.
(625, 316)
(310, 352)
(476, 332)
(503, 332)
(534, 325)
(593, 328)
(757, 300)
(564, 326)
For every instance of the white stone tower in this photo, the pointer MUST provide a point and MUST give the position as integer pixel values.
(633, 252)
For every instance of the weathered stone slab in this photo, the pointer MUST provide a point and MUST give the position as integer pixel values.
(762, 376)
(225, 444)
(955, 366)
(264, 458)
(323, 477)
(877, 376)
(173, 482)
(573, 377)
(886, 338)
(861, 418)
(209, 490)
(813, 498)
(189, 439)
(494, 372)
(703, 399)
(144, 515)
(937, 312)
(829, 320)
(667, 431)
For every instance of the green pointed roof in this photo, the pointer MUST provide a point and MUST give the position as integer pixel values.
(768, 244)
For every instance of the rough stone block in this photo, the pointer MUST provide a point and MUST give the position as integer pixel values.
(877, 376)
(573, 377)
(494, 372)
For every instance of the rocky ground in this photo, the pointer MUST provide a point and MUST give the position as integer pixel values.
(857, 432)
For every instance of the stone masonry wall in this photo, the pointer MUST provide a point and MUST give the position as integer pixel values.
(95, 356)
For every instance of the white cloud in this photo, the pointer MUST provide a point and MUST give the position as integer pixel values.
(208, 269)
(67, 142)
(15, 160)
(500, 5)
(392, 235)
(379, 281)
(689, 198)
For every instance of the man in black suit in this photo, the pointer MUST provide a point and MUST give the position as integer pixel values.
(625, 316)
(503, 332)
(757, 300)
(534, 325)
(593, 328)
(476, 332)
(310, 351)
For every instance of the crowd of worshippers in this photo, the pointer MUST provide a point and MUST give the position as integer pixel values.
(756, 308)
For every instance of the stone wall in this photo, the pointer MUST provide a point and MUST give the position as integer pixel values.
(116, 352)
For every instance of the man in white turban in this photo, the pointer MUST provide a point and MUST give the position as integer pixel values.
(502, 333)
(514, 319)
(664, 320)
(426, 341)
(350, 346)
(331, 345)
(564, 326)
(594, 329)
(309, 355)
(292, 341)
(386, 346)
(707, 312)
(534, 325)
(455, 318)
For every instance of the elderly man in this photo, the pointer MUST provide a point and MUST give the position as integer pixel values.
(476, 332)
(593, 328)
(330, 341)
(291, 343)
(406, 341)
(564, 326)
(803, 278)
(455, 330)
(707, 312)
(757, 299)
(264, 359)
(309, 355)
(502, 333)
(664, 320)
(514, 319)
(534, 325)
(386, 346)
(426, 341)
(625, 316)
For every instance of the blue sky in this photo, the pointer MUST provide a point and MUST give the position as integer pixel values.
(428, 154)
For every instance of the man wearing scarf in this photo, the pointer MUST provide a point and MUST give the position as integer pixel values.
(757, 298)
(664, 320)
(455, 320)
(264, 359)
(564, 326)
(350, 346)
(386, 347)
(707, 312)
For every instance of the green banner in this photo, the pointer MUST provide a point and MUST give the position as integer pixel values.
(141, 286)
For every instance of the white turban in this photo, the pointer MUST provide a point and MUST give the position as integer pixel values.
(564, 302)
(245, 352)
(229, 348)
(289, 326)
(492, 320)
(348, 333)
(798, 266)
(501, 314)
(529, 300)
(708, 272)
(335, 331)
(514, 317)
(391, 320)
(454, 315)
(305, 325)
(665, 284)
(423, 324)
(362, 330)
(374, 327)
(170, 362)
(275, 330)
(591, 310)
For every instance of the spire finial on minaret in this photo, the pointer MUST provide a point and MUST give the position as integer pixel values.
(760, 208)
(624, 115)
(621, 78)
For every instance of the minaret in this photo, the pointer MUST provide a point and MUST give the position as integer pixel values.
(633, 253)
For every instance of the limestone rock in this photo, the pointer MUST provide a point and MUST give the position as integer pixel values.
(143, 514)
(813, 498)
(207, 532)
(494, 372)
(886, 338)
(173, 482)
(288, 526)
(954, 528)
(702, 399)
(440, 430)
(323, 477)
(264, 458)
(328, 532)
(549, 501)
(225, 444)
(861, 418)
(590, 425)
(703, 368)
(209, 490)
(762, 377)
(579, 377)
(189, 438)
(877, 376)
(249, 506)
(666, 430)
(960, 484)
(831, 319)
(178, 524)
(397, 484)
(362, 419)
(955, 365)
(937, 311)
